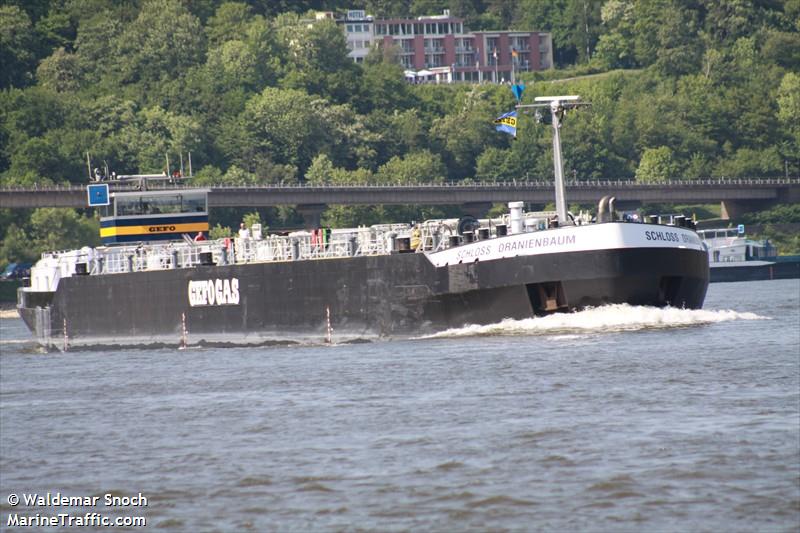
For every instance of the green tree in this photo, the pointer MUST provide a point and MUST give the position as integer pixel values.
(40, 157)
(789, 104)
(317, 59)
(59, 229)
(421, 8)
(583, 17)
(656, 165)
(279, 125)
(615, 47)
(406, 129)
(17, 47)
(207, 176)
(230, 21)
(727, 20)
(220, 232)
(663, 30)
(49, 229)
(163, 41)
(416, 167)
(748, 163)
(320, 171)
(678, 53)
(464, 133)
(382, 87)
(549, 15)
(97, 50)
(502, 10)
(496, 164)
(60, 72)
(233, 64)
(251, 218)
(238, 176)
(389, 8)
(57, 28)
(783, 48)
(16, 246)
(155, 134)
(290, 127)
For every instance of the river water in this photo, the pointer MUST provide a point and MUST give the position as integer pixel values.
(614, 419)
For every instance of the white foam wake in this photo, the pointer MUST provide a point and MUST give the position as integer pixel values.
(608, 318)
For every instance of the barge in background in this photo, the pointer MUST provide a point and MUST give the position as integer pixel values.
(346, 284)
(734, 257)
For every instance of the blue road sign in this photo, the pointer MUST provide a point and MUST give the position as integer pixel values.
(98, 194)
(740, 228)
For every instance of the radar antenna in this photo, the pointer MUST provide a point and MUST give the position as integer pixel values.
(140, 180)
(559, 105)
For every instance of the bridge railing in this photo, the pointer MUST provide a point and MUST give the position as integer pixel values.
(515, 184)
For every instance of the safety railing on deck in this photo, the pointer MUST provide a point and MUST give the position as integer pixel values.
(146, 257)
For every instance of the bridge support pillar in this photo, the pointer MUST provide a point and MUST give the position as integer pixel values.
(312, 214)
(477, 209)
(789, 195)
(734, 209)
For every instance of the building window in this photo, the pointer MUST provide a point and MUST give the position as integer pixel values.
(433, 60)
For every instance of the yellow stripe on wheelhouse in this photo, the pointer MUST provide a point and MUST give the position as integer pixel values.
(153, 229)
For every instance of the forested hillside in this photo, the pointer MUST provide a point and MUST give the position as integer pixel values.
(257, 94)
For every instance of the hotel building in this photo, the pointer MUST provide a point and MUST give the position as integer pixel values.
(438, 48)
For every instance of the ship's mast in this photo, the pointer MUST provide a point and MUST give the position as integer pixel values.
(558, 107)
(558, 163)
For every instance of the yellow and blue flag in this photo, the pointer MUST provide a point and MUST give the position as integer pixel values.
(507, 122)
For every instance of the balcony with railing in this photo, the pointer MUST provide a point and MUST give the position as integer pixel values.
(468, 57)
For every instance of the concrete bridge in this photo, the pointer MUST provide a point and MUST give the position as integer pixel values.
(736, 195)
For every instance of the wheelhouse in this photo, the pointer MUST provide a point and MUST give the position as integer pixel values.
(144, 216)
(729, 245)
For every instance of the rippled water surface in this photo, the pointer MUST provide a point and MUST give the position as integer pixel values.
(614, 419)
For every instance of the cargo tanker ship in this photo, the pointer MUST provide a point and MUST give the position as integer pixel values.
(149, 286)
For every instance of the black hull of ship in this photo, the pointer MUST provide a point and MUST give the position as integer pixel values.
(399, 295)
